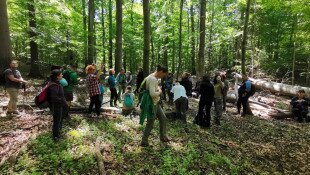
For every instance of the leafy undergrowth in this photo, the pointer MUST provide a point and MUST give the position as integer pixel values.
(246, 145)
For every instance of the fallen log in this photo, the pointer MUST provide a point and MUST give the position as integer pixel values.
(274, 87)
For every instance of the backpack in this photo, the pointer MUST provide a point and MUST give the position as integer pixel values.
(128, 102)
(41, 99)
(2, 79)
(67, 76)
(253, 89)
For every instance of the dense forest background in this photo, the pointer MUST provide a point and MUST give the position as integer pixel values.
(271, 35)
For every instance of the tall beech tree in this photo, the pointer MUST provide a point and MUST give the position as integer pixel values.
(5, 44)
(147, 37)
(34, 54)
(202, 39)
(91, 32)
(119, 36)
(244, 37)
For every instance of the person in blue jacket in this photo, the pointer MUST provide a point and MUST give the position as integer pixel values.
(243, 95)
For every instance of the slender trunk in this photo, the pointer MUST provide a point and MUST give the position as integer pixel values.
(5, 44)
(210, 48)
(103, 32)
(34, 68)
(308, 72)
(153, 53)
(147, 27)
(110, 36)
(193, 50)
(84, 32)
(202, 38)
(253, 41)
(180, 38)
(165, 56)
(293, 44)
(119, 35)
(244, 39)
(91, 31)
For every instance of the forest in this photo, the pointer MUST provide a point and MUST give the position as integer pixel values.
(269, 40)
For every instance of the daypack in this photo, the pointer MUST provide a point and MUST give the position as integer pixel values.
(2, 79)
(67, 76)
(128, 102)
(253, 89)
(41, 99)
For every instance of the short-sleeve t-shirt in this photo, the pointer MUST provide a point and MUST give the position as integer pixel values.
(8, 82)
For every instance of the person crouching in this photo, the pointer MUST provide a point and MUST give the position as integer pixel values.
(181, 102)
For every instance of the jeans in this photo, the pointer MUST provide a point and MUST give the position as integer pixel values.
(58, 113)
(243, 101)
(95, 100)
(180, 106)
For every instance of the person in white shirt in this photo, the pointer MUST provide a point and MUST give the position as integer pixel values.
(181, 100)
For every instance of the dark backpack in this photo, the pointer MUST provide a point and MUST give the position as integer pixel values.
(253, 89)
(41, 99)
(67, 76)
(2, 79)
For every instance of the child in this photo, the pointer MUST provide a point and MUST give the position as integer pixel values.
(128, 101)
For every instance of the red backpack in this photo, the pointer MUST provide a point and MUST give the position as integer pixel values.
(41, 99)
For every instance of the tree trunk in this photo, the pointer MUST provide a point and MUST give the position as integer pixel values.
(180, 39)
(84, 32)
(103, 32)
(308, 72)
(210, 48)
(202, 38)
(146, 26)
(110, 36)
(293, 45)
(193, 39)
(5, 44)
(91, 31)
(119, 30)
(244, 39)
(165, 56)
(34, 68)
(153, 53)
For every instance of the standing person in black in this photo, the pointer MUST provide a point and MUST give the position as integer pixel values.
(188, 85)
(57, 102)
(140, 78)
(206, 91)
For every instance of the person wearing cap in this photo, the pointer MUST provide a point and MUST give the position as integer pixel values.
(299, 106)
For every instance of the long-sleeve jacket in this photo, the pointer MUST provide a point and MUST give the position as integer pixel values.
(206, 90)
(55, 94)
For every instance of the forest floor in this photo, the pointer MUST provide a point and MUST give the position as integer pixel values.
(240, 145)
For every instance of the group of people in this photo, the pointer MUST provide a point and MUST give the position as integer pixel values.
(151, 92)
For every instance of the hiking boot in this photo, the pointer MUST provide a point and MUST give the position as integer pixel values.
(217, 122)
(144, 144)
(115, 103)
(165, 139)
(15, 112)
(111, 104)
